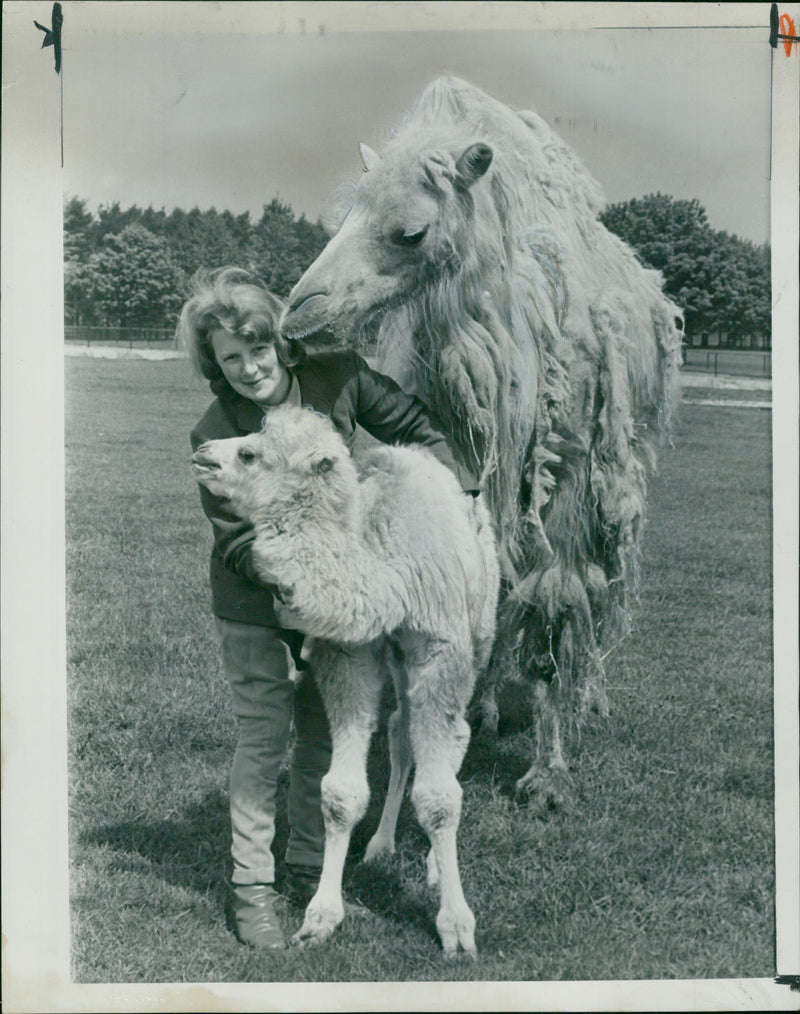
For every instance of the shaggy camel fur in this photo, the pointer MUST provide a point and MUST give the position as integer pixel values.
(472, 251)
(387, 565)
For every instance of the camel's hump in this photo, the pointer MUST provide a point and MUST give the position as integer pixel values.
(398, 460)
(405, 473)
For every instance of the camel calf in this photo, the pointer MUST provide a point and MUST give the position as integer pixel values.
(389, 567)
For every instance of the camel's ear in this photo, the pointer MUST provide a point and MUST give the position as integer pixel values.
(369, 157)
(321, 463)
(473, 163)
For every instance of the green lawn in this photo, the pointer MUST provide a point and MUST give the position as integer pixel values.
(663, 870)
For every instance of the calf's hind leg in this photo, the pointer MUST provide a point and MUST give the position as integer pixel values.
(439, 738)
(350, 685)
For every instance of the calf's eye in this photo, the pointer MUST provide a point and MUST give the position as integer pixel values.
(247, 456)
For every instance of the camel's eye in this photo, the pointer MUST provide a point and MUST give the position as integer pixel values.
(401, 237)
(246, 456)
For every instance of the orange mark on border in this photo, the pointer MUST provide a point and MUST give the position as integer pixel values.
(787, 28)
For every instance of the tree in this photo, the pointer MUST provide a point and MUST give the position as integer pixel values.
(275, 249)
(135, 280)
(720, 281)
(208, 239)
(674, 237)
(742, 296)
(111, 219)
(312, 238)
(80, 238)
(79, 230)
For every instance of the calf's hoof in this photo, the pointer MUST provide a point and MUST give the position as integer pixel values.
(318, 926)
(457, 934)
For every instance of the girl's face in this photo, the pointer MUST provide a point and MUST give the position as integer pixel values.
(251, 367)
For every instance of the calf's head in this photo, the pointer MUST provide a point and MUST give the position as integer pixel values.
(296, 469)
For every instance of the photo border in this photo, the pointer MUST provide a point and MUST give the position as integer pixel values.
(34, 716)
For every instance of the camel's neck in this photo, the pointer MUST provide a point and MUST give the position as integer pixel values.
(478, 367)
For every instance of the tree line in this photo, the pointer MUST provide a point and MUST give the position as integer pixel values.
(131, 267)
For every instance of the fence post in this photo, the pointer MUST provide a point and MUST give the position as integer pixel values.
(716, 356)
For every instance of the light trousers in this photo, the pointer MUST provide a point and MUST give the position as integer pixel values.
(258, 665)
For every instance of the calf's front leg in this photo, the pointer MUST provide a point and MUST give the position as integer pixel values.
(349, 682)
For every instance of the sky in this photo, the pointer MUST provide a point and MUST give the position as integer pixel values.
(179, 105)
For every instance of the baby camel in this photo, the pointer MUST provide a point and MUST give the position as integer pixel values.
(389, 567)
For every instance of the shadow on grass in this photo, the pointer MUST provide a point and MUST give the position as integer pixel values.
(191, 851)
(379, 888)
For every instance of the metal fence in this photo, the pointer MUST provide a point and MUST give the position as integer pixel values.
(128, 337)
(736, 362)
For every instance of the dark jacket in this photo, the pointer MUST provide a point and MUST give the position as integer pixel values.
(342, 386)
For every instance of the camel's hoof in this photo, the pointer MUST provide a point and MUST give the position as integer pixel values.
(545, 789)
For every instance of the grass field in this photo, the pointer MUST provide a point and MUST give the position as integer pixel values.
(663, 870)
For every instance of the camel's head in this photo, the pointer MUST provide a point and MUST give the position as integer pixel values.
(408, 225)
(296, 467)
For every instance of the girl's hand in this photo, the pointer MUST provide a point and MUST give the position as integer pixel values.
(287, 617)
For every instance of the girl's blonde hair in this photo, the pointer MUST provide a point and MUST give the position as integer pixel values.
(232, 299)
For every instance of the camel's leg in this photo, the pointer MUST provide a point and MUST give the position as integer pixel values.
(593, 696)
(350, 684)
(439, 737)
(490, 712)
(501, 667)
(485, 706)
(382, 842)
(546, 783)
(593, 693)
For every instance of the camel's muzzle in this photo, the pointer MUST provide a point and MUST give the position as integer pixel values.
(203, 463)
